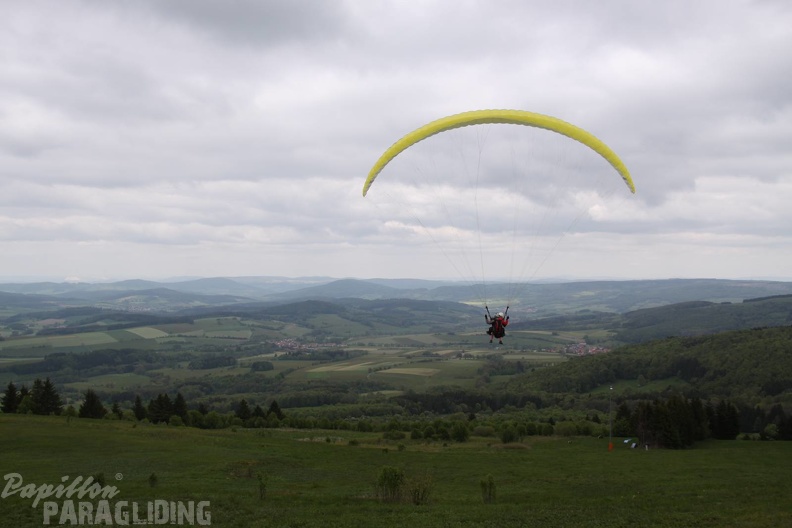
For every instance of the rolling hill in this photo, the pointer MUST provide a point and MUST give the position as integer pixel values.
(689, 318)
(531, 300)
(748, 366)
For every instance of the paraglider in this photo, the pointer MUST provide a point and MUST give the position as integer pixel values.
(498, 323)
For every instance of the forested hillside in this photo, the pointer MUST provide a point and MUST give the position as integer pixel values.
(748, 366)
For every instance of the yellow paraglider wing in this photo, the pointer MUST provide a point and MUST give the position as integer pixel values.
(512, 117)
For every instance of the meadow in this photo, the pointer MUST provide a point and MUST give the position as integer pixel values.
(316, 478)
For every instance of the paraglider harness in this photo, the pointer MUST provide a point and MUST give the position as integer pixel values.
(497, 324)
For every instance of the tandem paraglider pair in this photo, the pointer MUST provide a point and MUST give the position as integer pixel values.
(497, 324)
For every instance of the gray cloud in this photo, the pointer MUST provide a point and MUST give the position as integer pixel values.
(195, 138)
(250, 22)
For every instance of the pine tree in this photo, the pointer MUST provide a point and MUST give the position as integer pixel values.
(36, 394)
(11, 399)
(46, 399)
(725, 422)
(682, 418)
(275, 409)
(776, 415)
(180, 407)
(732, 421)
(644, 420)
(664, 426)
(701, 429)
(138, 409)
(160, 409)
(92, 406)
(785, 429)
(116, 409)
(243, 411)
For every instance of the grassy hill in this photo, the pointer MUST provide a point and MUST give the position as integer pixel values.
(316, 478)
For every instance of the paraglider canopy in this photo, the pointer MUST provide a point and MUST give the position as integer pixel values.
(512, 117)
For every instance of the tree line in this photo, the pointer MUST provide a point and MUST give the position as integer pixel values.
(94, 362)
(675, 422)
(42, 398)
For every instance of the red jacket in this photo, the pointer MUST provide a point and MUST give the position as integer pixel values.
(497, 325)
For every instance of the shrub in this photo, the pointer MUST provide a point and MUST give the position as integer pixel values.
(443, 433)
(488, 489)
(460, 432)
(390, 484)
(566, 429)
(419, 488)
(393, 435)
(484, 430)
(508, 435)
(531, 429)
(262, 485)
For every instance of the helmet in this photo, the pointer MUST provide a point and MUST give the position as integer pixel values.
(499, 314)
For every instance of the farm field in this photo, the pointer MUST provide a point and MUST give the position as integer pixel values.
(316, 478)
(201, 332)
(228, 331)
(394, 363)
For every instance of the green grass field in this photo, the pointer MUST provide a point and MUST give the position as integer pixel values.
(317, 479)
(119, 382)
(60, 341)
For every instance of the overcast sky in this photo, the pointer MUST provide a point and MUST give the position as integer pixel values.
(164, 138)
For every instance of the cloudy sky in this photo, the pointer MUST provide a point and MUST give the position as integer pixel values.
(167, 138)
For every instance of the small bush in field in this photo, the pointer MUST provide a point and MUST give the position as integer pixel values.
(390, 484)
(419, 488)
(488, 489)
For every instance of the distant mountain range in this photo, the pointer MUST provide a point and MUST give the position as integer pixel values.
(530, 300)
